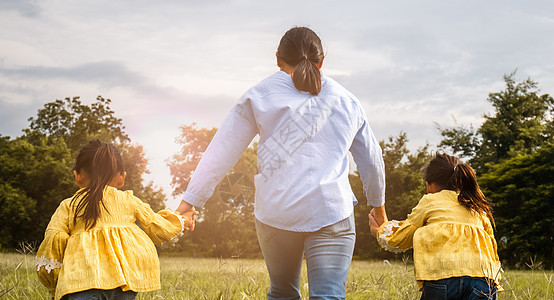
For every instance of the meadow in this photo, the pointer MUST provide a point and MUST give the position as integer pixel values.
(210, 278)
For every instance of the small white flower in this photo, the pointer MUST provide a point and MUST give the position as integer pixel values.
(48, 264)
(388, 231)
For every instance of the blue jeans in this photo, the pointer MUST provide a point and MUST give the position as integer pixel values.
(96, 294)
(459, 288)
(328, 253)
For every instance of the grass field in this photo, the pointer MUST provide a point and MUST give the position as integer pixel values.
(187, 278)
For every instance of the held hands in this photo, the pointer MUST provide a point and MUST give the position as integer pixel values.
(190, 219)
(188, 211)
(377, 216)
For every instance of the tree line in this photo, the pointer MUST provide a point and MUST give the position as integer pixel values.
(512, 152)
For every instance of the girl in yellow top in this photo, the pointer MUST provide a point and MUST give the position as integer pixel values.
(450, 230)
(93, 246)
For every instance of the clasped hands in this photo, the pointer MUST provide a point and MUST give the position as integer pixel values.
(186, 210)
(377, 216)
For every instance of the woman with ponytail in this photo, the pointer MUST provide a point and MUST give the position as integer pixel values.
(93, 248)
(451, 232)
(307, 123)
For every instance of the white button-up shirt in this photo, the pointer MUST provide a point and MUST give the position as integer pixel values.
(302, 182)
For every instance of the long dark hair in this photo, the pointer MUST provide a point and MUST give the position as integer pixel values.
(101, 162)
(301, 48)
(450, 173)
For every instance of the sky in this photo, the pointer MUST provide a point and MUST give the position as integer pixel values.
(412, 64)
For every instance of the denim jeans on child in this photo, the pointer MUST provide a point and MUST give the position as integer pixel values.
(328, 254)
(459, 288)
(96, 294)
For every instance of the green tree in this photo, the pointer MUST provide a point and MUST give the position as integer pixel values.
(226, 225)
(403, 174)
(17, 212)
(36, 168)
(76, 123)
(512, 154)
(404, 188)
(194, 142)
(35, 178)
(522, 188)
(463, 142)
(523, 120)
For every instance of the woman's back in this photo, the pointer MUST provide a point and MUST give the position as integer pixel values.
(302, 153)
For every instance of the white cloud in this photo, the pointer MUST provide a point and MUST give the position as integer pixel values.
(27, 8)
(170, 63)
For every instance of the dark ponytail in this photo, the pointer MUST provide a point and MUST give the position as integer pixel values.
(100, 162)
(470, 196)
(450, 173)
(301, 48)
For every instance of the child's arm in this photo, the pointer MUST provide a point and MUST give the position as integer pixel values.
(397, 236)
(50, 254)
(165, 225)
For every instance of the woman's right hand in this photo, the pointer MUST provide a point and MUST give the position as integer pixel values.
(379, 214)
(187, 210)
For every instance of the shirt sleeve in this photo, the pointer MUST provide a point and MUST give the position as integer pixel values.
(397, 236)
(368, 157)
(50, 254)
(225, 149)
(163, 226)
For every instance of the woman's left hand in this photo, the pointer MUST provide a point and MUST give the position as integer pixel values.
(373, 225)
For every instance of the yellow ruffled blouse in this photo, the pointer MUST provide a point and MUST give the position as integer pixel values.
(448, 239)
(116, 252)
